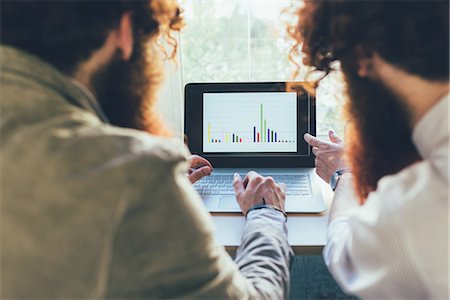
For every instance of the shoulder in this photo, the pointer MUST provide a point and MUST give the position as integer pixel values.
(416, 185)
(148, 146)
(416, 190)
(84, 148)
(136, 148)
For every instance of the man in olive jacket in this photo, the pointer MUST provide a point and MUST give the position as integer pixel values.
(95, 200)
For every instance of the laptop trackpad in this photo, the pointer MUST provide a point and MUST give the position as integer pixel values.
(228, 202)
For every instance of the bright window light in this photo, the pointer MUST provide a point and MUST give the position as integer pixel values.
(232, 41)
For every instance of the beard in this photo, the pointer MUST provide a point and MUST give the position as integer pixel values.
(126, 90)
(379, 134)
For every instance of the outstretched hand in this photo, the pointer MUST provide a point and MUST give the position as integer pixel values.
(329, 155)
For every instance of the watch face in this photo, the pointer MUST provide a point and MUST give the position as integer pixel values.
(335, 178)
(333, 181)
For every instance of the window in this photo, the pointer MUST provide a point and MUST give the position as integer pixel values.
(247, 41)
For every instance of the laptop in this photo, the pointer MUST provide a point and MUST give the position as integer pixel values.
(241, 127)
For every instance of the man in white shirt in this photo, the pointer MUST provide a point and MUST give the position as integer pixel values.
(388, 231)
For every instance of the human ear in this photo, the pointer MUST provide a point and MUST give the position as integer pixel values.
(364, 67)
(365, 62)
(125, 36)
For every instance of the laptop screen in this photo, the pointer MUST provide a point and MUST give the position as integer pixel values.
(250, 124)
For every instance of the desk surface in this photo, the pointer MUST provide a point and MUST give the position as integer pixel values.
(306, 232)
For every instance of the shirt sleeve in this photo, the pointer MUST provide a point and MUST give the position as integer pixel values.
(164, 246)
(273, 217)
(366, 254)
(263, 250)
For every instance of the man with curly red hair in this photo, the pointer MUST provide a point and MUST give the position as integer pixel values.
(96, 201)
(388, 233)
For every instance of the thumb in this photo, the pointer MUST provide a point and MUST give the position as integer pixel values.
(334, 137)
(238, 184)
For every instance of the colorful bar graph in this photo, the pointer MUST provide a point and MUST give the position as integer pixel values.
(263, 135)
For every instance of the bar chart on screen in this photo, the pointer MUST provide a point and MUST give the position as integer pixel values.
(250, 122)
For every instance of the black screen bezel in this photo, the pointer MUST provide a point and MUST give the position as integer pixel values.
(193, 124)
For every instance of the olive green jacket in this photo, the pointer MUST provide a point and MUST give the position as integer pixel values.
(89, 210)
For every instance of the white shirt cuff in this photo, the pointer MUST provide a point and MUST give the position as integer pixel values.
(337, 225)
(337, 235)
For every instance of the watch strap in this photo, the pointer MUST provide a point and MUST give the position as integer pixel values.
(336, 176)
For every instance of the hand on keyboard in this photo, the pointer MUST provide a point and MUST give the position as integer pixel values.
(199, 168)
(256, 189)
(222, 184)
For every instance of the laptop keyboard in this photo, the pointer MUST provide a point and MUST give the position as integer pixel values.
(222, 184)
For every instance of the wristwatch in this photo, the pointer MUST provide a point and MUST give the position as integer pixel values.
(335, 177)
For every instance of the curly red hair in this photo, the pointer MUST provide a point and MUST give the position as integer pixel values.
(412, 35)
(66, 33)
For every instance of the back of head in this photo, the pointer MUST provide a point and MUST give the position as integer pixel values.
(65, 33)
(412, 36)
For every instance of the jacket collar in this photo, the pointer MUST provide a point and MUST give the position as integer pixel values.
(21, 63)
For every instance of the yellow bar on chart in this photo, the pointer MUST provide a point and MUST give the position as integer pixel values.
(209, 132)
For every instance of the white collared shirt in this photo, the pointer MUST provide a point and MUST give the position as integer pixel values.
(396, 246)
